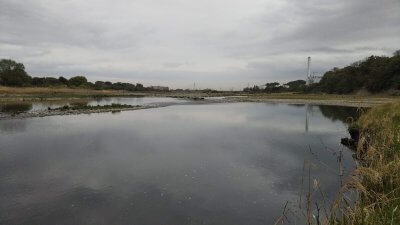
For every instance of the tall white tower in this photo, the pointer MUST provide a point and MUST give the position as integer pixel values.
(309, 79)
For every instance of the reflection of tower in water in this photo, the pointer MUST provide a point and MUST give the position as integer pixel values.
(308, 109)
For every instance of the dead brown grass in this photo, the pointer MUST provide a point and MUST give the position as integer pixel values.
(47, 90)
(376, 179)
(32, 93)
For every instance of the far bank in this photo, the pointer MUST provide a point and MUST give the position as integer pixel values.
(16, 94)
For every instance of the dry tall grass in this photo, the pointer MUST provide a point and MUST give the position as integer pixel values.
(376, 179)
(27, 93)
(49, 90)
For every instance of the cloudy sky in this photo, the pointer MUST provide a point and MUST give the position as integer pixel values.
(215, 43)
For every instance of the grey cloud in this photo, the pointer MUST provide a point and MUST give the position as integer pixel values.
(30, 23)
(232, 43)
(27, 23)
(176, 64)
(329, 27)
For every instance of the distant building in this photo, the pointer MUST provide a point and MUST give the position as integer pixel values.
(160, 88)
(314, 78)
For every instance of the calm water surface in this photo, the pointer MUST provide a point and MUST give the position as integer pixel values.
(186, 164)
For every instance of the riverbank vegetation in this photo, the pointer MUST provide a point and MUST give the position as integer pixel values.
(13, 74)
(56, 93)
(375, 74)
(376, 179)
(370, 194)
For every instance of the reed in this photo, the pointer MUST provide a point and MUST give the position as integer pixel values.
(376, 179)
(54, 93)
(51, 90)
(371, 194)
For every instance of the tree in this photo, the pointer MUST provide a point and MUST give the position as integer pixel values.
(140, 87)
(38, 81)
(46, 81)
(272, 87)
(396, 53)
(77, 81)
(256, 88)
(296, 85)
(13, 73)
(63, 80)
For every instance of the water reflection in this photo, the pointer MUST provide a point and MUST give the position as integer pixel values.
(192, 164)
(344, 114)
(15, 107)
(13, 126)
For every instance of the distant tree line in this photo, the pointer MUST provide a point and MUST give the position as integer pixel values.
(13, 74)
(275, 87)
(374, 74)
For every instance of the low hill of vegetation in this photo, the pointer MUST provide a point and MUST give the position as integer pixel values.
(375, 74)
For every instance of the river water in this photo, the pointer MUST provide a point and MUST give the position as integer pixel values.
(233, 163)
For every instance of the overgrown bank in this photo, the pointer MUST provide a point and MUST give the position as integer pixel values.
(55, 93)
(376, 179)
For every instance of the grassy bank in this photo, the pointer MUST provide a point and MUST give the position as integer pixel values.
(376, 179)
(58, 93)
(61, 93)
(50, 93)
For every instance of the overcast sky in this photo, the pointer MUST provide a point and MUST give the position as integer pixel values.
(215, 43)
